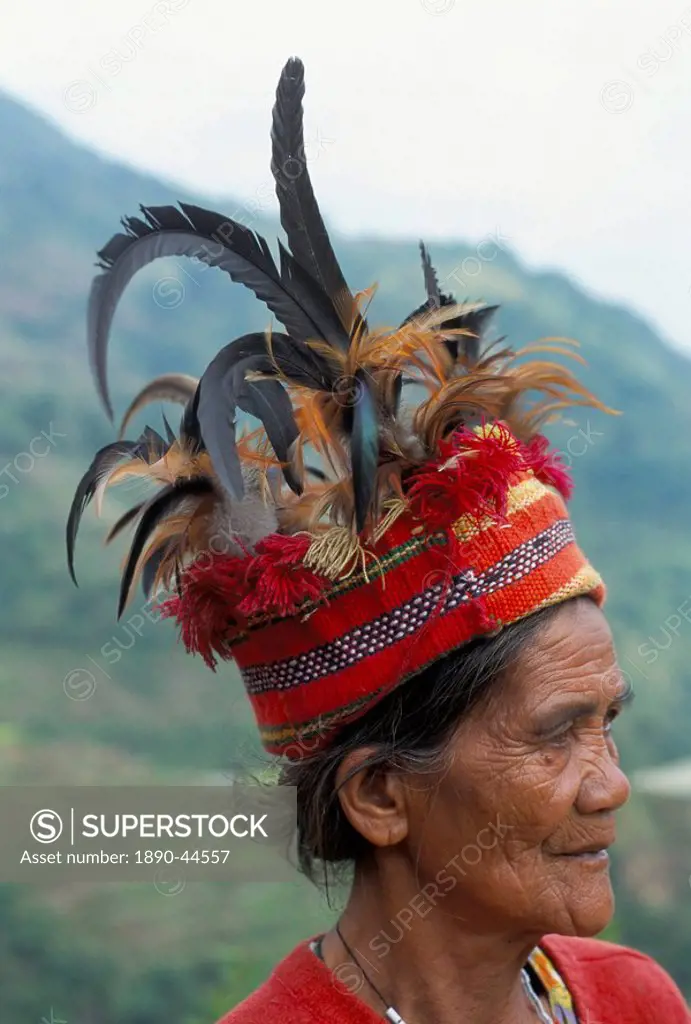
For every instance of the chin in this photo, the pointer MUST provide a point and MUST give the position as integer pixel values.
(590, 921)
(590, 912)
(587, 908)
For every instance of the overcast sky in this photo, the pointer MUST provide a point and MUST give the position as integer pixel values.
(564, 125)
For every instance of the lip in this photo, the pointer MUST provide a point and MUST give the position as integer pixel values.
(597, 856)
(593, 856)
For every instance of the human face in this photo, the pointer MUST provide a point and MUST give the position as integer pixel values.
(530, 791)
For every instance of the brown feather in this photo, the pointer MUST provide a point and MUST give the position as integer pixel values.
(176, 464)
(170, 387)
(192, 530)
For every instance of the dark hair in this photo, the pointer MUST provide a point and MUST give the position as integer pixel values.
(410, 730)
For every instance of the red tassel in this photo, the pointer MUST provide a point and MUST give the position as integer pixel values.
(219, 593)
(206, 609)
(471, 477)
(547, 467)
(277, 581)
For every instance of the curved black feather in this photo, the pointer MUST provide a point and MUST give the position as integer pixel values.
(270, 403)
(149, 445)
(216, 240)
(364, 446)
(216, 416)
(223, 388)
(300, 217)
(217, 404)
(299, 363)
(103, 461)
(159, 506)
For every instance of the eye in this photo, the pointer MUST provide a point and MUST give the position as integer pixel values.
(560, 737)
(609, 718)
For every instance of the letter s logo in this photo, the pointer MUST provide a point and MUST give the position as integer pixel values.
(46, 826)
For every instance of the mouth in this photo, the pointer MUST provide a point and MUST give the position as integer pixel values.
(595, 854)
(586, 855)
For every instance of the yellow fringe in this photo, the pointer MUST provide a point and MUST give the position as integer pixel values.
(396, 507)
(336, 554)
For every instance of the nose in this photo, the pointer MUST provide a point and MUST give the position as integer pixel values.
(604, 786)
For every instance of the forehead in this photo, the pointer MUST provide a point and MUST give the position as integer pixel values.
(572, 653)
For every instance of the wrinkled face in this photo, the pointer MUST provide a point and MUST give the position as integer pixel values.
(525, 810)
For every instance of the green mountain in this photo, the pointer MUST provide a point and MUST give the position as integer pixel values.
(87, 700)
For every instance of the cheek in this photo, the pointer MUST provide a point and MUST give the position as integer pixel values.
(544, 792)
(522, 798)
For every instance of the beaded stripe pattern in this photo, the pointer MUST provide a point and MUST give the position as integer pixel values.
(408, 618)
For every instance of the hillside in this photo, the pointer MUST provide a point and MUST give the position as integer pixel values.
(155, 713)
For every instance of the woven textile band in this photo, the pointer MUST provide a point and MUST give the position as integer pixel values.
(422, 597)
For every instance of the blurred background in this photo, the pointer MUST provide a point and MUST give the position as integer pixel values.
(543, 153)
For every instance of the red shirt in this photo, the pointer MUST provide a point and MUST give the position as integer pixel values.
(608, 984)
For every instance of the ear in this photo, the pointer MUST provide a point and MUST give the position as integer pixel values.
(373, 799)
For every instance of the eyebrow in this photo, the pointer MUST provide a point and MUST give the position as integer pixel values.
(582, 709)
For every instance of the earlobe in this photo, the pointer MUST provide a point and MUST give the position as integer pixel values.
(373, 799)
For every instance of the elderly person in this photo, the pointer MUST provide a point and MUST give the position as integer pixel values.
(419, 634)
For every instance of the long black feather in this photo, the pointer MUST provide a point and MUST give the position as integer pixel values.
(151, 566)
(300, 217)
(149, 445)
(190, 431)
(154, 511)
(125, 519)
(103, 461)
(217, 241)
(308, 308)
(364, 446)
(302, 286)
(431, 282)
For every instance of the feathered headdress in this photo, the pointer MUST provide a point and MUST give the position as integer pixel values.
(396, 500)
